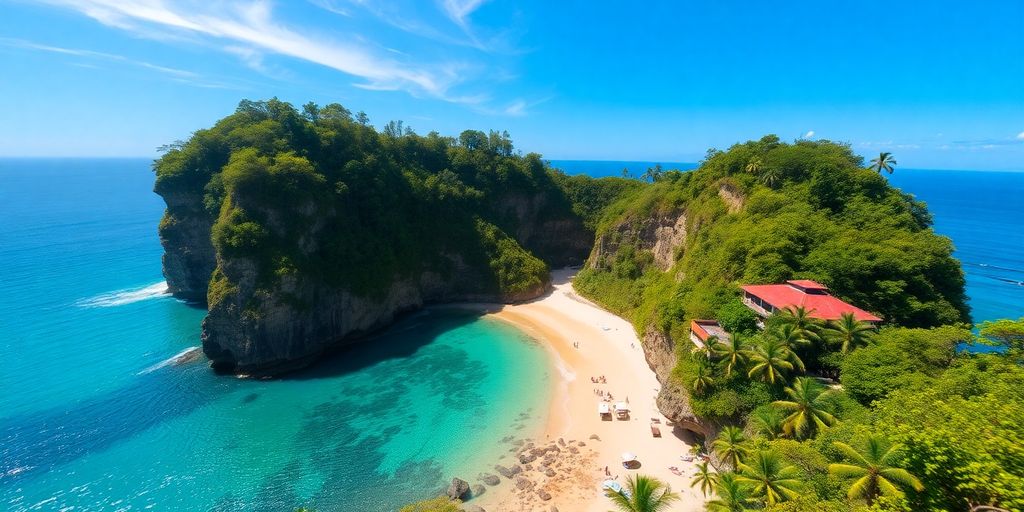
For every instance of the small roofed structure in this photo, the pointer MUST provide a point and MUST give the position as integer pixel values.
(604, 410)
(622, 410)
(703, 330)
(766, 299)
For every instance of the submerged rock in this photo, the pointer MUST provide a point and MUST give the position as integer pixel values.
(457, 489)
(489, 479)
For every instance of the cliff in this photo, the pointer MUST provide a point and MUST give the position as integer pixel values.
(305, 231)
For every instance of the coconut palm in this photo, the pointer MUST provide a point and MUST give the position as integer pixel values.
(872, 467)
(805, 326)
(733, 495)
(730, 445)
(705, 478)
(731, 352)
(771, 480)
(754, 166)
(770, 360)
(849, 333)
(767, 422)
(770, 176)
(806, 408)
(643, 494)
(703, 378)
(884, 162)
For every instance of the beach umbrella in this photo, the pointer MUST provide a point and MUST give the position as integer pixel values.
(612, 484)
(628, 457)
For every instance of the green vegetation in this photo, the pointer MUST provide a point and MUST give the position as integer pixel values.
(643, 494)
(439, 504)
(318, 195)
(836, 416)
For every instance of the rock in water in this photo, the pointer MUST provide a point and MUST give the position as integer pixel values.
(489, 479)
(477, 490)
(457, 489)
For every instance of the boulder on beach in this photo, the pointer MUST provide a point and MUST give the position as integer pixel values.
(508, 472)
(595, 437)
(477, 490)
(457, 489)
(543, 494)
(489, 479)
(523, 483)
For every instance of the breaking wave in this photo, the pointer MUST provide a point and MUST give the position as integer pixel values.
(122, 297)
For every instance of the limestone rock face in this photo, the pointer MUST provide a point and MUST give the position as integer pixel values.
(663, 234)
(673, 401)
(188, 258)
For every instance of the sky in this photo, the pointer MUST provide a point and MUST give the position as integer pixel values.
(940, 83)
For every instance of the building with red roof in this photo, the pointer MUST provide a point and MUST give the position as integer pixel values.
(765, 299)
(702, 330)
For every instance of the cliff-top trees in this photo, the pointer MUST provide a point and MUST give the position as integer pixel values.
(848, 332)
(770, 361)
(730, 446)
(807, 408)
(771, 480)
(883, 162)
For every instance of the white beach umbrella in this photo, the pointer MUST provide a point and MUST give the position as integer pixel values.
(628, 457)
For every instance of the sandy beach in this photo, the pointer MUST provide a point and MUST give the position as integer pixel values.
(586, 341)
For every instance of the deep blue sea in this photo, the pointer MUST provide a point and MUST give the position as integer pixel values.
(92, 417)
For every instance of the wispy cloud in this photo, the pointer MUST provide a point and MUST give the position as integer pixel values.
(809, 134)
(251, 25)
(178, 75)
(1020, 136)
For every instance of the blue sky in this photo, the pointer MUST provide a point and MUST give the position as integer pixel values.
(938, 83)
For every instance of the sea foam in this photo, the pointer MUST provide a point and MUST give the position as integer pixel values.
(129, 296)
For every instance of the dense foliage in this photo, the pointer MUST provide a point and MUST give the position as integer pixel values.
(319, 194)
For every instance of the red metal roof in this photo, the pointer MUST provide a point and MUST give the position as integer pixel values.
(807, 284)
(706, 328)
(823, 306)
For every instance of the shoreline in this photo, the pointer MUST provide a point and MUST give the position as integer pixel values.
(609, 347)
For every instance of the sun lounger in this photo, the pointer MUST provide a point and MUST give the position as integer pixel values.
(655, 431)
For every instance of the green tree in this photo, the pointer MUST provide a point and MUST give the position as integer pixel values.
(645, 494)
(872, 467)
(706, 478)
(770, 360)
(770, 176)
(732, 495)
(767, 421)
(703, 377)
(730, 446)
(754, 166)
(731, 353)
(807, 408)
(805, 326)
(884, 162)
(849, 333)
(772, 481)
(1004, 333)
(439, 504)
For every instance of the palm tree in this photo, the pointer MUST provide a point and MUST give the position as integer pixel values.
(884, 162)
(645, 494)
(767, 422)
(770, 360)
(703, 379)
(705, 478)
(770, 176)
(806, 408)
(872, 466)
(733, 495)
(754, 166)
(730, 445)
(805, 326)
(772, 480)
(849, 333)
(731, 351)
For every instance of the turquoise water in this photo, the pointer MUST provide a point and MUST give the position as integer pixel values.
(982, 212)
(92, 417)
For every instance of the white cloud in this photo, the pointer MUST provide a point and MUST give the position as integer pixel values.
(517, 109)
(251, 25)
(460, 10)
(178, 75)
(1020, 136)
(809, 134)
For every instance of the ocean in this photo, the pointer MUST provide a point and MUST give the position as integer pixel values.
(94, 416)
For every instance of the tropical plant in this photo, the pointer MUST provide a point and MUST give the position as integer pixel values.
(643, 494)
(754, 166)
(873, 468)
(730, 445)
(766, 421)
(806, 408)
(733, 495)
(884, 162)
(731, 352)
(770, 360)
(771, 480)
(805, 326)
(706, 478)
(849, 333)
(703, 378)
(439, 504)
(770, 176)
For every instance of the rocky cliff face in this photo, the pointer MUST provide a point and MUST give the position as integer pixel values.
(673, 401)
(662, 234)
(188, 258)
